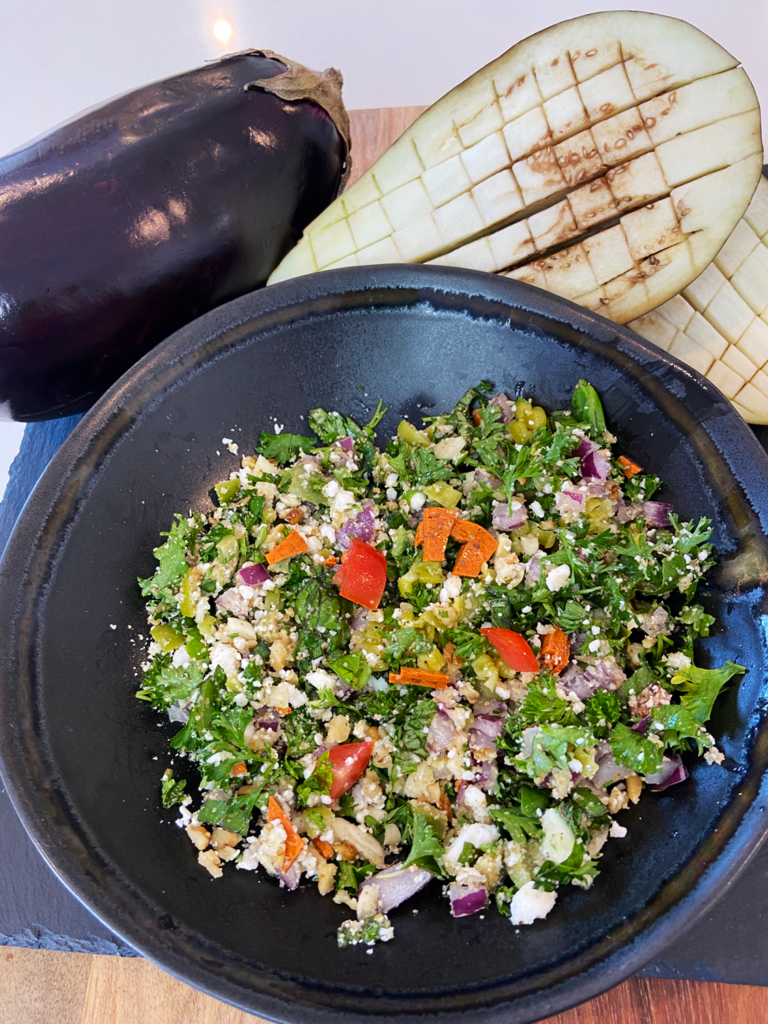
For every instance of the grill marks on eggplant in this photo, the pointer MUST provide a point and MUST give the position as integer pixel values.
(573, 169)
(719, 323)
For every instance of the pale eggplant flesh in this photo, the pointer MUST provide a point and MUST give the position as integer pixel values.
(605, 159)
(127, 222)
(719, 323)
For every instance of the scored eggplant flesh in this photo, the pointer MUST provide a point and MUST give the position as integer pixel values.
(606, 159)
(719, 323)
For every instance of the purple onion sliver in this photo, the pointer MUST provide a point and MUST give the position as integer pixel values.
(595, 467)
(680, 774)
(291, 877)
(533, 570)
(672, 771)
(641, 726)
(490, 709)
(503, 519)
(347, 443)
(466, 901)
(359, 620)
(232, 601)
(254, 575)
(363, 527)
(396, 884)
(442, 733)
(504, 404)
(657, 513)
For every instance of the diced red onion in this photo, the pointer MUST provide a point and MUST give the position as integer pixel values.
(486, 774)
(657, 513)
(672, 771)
(254, 575)
(507, 410)
(291, 877)
(641, 726)
(347, 443)
(593, 465)
(396, 884)
(533, 570)
(584, 682)
(466, 901)
(608, 770)
(362, 526)
(360, 619)
(232, 601)
(442, 733)
(490, 709)
(503, 519)
(569, 502)
(482, 476)
(627, 511)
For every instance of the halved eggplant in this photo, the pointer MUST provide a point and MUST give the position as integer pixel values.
(127, 222)
(719, 323)
(606, 159)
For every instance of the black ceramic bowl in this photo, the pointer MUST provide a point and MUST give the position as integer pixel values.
(81, 757)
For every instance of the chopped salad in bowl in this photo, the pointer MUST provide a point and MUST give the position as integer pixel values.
(452, 661)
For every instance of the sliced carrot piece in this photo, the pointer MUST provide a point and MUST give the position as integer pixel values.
(477, 547)
(630, 468)
(419, 677)
(555, 651)
(324, 849)
(331, 560)
(463, 530)
(239, 768)
(294, 844)
(434, 530)
(293, 544)
(470, 560)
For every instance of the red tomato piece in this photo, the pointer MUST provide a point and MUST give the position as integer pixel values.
(348, 762)
(362, 575)
(513, 648)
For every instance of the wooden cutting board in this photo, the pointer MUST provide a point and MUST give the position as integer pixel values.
(43, 987)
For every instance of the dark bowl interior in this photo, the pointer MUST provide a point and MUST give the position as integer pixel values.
(82, 758)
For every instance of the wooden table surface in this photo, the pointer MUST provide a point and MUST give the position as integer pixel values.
(43, 987)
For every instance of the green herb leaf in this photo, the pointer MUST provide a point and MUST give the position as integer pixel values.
(701, 687)
(165, 684)
(283, 448)
(635, 751)
(425, 845)
(353, 669)
(172, 790)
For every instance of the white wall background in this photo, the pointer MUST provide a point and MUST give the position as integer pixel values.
(57, 58)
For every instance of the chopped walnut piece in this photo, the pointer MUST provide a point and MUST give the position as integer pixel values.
(200, 836)
(211, 861)
(221, 837)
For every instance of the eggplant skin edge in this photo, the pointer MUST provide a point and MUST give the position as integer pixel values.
(132, 219)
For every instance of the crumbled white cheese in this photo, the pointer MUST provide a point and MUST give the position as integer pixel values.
(558, 578)
(529, 904)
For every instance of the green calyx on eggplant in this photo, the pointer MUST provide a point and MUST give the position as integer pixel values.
(127, 222)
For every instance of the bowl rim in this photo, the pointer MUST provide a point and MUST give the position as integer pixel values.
(690, 893)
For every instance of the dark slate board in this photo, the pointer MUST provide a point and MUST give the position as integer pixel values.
(728, 944)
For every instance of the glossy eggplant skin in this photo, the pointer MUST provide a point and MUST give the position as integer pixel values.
(129, 221)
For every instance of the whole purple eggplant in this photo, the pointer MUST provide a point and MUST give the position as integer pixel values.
(122, 225)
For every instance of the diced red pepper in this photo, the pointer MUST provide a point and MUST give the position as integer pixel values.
(348, 762)
(362, 575)
(514, 649)
(419, 677)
